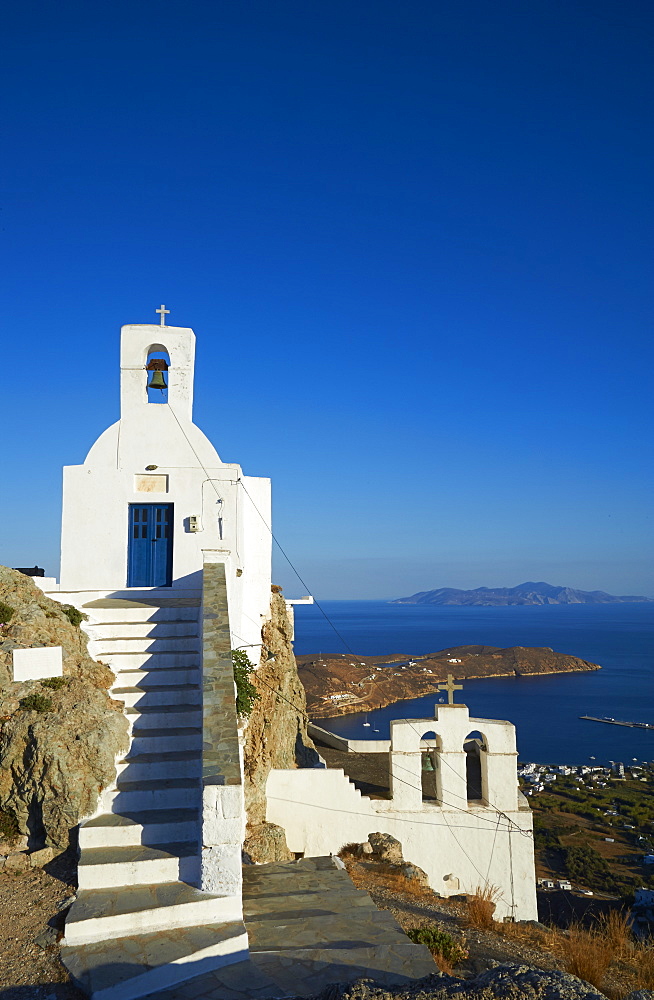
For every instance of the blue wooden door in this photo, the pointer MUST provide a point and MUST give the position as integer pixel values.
(150, 546)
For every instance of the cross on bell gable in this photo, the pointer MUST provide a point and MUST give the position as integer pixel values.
(163, 312)
(450, 687)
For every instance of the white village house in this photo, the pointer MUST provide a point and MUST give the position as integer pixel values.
(168, 551)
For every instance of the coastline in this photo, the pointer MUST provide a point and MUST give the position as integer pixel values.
(338, 686)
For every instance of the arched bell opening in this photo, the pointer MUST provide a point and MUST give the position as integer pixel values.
(156, 370)
(429, 765)
(474, 745)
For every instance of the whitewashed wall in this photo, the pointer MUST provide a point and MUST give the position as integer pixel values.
(461, 845)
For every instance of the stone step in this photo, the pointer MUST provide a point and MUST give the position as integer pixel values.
(141, 630)
(104, 867)
(156, 717)
(311, 904)
(142, 796)
(152, 766)
(131, 967)
(367, 927)
(150, 661)
(158, 676)
(98, 914)
(305, 971)
(166, 739)
(164, 694)
(133, 615)
(141, 644)
(156, 826)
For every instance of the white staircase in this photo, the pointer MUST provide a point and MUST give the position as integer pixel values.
(139, 924)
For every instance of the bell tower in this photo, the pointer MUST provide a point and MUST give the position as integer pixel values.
(137, 345)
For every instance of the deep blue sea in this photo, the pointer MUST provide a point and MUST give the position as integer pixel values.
(545, 710)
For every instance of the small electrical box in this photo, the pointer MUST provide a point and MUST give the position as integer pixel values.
(194, 523)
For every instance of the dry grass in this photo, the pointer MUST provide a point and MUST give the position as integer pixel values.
(442, 963)
(644, 962)
(481, 907)
(528, 935)
(588, 954)
(349, 850)
(374, 874)
(613, 928)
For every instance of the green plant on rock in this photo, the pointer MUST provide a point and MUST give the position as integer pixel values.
(6, 613)
(74, 616)
(35, 703)
(8, 827)
(55, 683)
(246, 693)
(439, 942)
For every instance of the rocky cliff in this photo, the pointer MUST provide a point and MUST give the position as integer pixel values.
(57, 748)
(276, 733)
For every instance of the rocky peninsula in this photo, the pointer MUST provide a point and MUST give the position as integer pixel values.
(340, 685)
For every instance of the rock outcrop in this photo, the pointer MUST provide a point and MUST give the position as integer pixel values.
(276, 733)
(57, 756)
(504, 982)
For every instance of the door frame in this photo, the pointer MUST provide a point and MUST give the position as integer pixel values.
(154, 532)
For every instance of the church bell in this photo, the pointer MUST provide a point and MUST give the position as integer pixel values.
(157, 381)
(157, 366)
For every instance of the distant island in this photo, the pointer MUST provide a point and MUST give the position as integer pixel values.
(524, 593)
(338, 685)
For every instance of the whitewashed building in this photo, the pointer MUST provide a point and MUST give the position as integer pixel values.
(455, 806)
(153, 499)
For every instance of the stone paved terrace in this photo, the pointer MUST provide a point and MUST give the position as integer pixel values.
(308, 927)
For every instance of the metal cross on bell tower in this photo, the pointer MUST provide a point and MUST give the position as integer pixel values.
(450, 687)
(163, 312)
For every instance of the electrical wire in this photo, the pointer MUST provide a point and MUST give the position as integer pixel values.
(240, 483)
(288, 560)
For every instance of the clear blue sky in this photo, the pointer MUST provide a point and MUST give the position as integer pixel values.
(415, 243)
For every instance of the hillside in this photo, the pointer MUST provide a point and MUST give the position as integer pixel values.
(338, 685)
(524, 593)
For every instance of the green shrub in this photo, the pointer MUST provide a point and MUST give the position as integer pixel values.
(74, 616)
(545, 838)
(6, 613)
(35, 703)
(440, 942)
(587, 866)
(55, 683)
(246, 693)
(8, 827)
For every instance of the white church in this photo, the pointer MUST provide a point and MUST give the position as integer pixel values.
(167, 550)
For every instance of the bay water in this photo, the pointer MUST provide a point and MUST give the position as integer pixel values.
(546, 709)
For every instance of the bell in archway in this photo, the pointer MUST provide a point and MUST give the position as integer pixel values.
(427, 763)
(157, 381)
